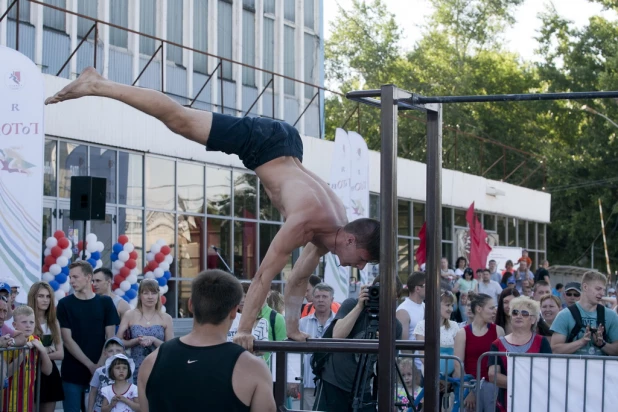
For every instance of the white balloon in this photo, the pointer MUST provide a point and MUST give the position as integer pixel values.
(132, 279)
(99, 264)
(128, 247)
(123, 256)
(119, 292)
(47, 251)
(51, 242)
(164, 266)
(67, 253)
(88, 254)
(91, 238)
(65, 287)
(55, 269)
(119, 264)
(135, 272)
(163, 309)
(163, 289)
(156, 248)
(169, 259)
(115, 271)
(124, 285)
(59, 294)
(62, 261)
(47, 277)
(100, 246)
(158, 272)
(149, 256)
(70, 245)
(91, 247)
(149, 275)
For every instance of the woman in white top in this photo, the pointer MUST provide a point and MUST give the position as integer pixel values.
(460, 265)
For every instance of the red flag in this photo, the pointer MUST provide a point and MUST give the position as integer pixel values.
(421, 252)
(479, 248)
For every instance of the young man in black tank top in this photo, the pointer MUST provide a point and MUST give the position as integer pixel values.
(202, 370)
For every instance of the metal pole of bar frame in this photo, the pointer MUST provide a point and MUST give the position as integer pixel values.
(388, 249)
(434, 239)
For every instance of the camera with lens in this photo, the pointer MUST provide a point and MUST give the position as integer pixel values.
(373, 303)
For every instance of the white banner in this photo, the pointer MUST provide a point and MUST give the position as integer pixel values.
(21, 158)
(545, 388)
(340, 176)
(503, 253)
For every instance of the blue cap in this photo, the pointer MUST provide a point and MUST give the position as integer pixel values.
(511, 281)
(5, 286)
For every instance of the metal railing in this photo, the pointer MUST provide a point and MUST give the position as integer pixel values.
(18, 389)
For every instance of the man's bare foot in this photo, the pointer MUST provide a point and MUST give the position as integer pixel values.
(82, 86)
(298, 336)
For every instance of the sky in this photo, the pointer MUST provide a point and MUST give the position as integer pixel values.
(411, 15)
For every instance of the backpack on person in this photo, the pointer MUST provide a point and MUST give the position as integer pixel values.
(579, 324)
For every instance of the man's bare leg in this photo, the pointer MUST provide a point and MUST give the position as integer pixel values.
(192, 124)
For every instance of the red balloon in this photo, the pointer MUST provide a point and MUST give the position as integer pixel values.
(131, 264)
(152, 265)
(165, 250)
(80, 245)
(122, 239)
(159, 257)
(45, 269)
(50, 260)
(115, 286)
(146, 269)
(63, 243)
(56, 251)
(58, 234)
(133, 255)
(124, 272)
(163, 300)
(118, 279)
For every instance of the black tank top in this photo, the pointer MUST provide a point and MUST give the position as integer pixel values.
(189, 378)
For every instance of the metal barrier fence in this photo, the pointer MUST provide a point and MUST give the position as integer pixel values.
(20, 374)
(547, 382)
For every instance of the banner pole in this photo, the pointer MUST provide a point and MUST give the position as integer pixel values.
(609, 271)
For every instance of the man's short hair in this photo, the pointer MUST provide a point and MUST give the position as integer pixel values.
(559, 286)
(539, 283)
(214, 294)
(492, 260)
(106, 272)
(367, 234)
(23, 310)
(416, 279)
(83, 265)
(480, 271)
(245, 287)
(324, 287)
(314, 280)
(592, 276)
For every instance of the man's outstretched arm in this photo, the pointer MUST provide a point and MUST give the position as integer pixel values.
(296, 287)
(290, 237)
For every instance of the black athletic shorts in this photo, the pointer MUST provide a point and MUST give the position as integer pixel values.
(255, 140)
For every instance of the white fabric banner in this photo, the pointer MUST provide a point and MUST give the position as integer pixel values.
(340, 176)
(550, 382)
(22, 94)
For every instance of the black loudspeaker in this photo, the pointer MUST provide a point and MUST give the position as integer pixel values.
(88, 198)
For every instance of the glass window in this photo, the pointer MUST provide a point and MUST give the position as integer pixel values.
(289, 10)
(245, 195)
(24, 10)
(200, 35)
(403, 208)
(489, 222)
(147, 25)
(249, 4)
(541, 245)
(160, 183)
(161, 225)
(73, 162)
(502, 231)
(119, 15)
(447, 223)
(267, 210)
(248, 49)
(447, 252)
(404, 258)
(103, 164)
(184, 293)
(268, 58)
(521, 233)
(532, 235)
(460, 218)
(52, 18)
(309, 14)
(512, 230)
(190, 188)
(131, 223)
(50, 162)
(419, 217)
(103, 230)
(190, 246)
(289, 60)
(219, 236)
(174, 30)
(245, 260)
(269, 6)
(267, 234)
(130, 179)
(374, 206)
(88, 8)
(47, 225)
(415, 268)
(224, 46)
(218, 191)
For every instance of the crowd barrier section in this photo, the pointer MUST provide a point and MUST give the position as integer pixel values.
(16, 375)
(553, 383)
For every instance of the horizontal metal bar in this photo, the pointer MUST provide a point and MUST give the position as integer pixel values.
(359, 94)
(514, 97)
(366, 100)
(332, 345)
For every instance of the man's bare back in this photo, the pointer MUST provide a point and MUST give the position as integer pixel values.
(315, 217)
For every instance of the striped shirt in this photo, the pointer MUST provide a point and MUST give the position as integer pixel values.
(311, 326)
(19, 396)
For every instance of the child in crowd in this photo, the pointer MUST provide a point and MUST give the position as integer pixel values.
(121, 396)
(21, 371)
(100, 379)
(412, 381)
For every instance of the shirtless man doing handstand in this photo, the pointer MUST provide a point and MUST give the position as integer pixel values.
(315, 218)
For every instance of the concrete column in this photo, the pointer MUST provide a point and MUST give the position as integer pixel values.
(162, 34)
(72, 5)
(212, 48)
(259, 51)
(104, 14)
(299, 51)
(36, 15)
(4, 4)
(187, 40)
(279, 48)
(237, 34)
(133, 39)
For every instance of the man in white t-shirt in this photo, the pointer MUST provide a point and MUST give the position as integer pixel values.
(412, 310)
(488, 286)
(494, 273)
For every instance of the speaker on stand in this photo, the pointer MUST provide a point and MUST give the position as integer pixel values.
(87, 201)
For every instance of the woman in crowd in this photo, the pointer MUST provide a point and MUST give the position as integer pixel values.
(508, 267)
(524, 314)
(41, 300)
(550, 307)
(503, 319)
(149, 327)
(475, 339)
(467, 283)
(275, 301)
(460, 314)
(460, 265)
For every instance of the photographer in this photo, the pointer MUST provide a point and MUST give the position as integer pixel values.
(338, 374)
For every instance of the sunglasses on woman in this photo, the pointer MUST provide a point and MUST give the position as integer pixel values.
(523, 313)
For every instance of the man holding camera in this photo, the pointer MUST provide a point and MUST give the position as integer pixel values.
(354, 320)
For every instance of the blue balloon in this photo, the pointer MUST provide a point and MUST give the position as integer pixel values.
(162, 281)
(135, 287)
(114, 257)
(125, 297)
(117, 248)
(131, 294)
(95, 255)
(61, 278)
(167, 274)
(55, 286)
(65, 270)
(92, 262)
